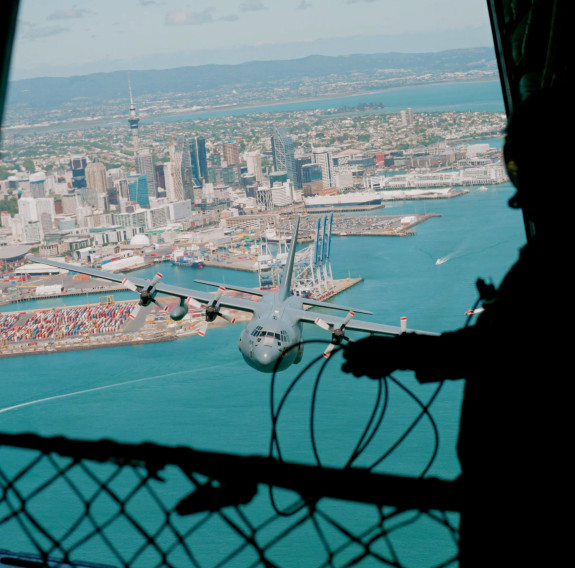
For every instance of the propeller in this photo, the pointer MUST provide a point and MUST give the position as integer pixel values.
(212, 310)
(147, 294)
(337, 333)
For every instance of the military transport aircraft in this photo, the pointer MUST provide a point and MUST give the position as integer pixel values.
(272, 340)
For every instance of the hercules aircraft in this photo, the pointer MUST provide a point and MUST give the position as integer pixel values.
(272, 340)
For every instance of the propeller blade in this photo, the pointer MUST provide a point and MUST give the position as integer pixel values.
(227, 317)
(347, 319)
(219, 293)
(130, 285)
(328, 350)
(403, 324)
(134, 313)
(156, 279)
(203, 329)
(322, 324)
(473, 312)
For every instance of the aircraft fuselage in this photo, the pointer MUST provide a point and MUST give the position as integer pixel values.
(273, 339)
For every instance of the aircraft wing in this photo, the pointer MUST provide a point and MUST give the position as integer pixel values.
(355, 324)
(206, 297)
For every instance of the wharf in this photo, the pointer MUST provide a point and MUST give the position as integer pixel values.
(150, 326)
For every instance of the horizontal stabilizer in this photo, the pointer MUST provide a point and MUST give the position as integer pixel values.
(244, 289)
(318, 304)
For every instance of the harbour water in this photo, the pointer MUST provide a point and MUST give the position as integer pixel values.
(198, 392)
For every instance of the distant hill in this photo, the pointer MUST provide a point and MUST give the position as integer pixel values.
(49, 92)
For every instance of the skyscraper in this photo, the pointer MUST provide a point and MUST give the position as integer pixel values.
(181, 170)
(254, 165)
(231, 152)
(322, 157)
(96, 177)
(299, 164)
(138, 189)
(199, 160)
(78, 167)
(283, 153)
(145, 166)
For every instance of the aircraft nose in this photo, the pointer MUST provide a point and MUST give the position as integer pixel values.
(264, 356)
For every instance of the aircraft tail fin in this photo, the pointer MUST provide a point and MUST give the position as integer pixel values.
(285, 287)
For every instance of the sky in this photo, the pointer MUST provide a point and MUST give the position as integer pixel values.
(77, 37)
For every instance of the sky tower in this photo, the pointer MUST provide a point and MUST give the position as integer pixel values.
(133, 119)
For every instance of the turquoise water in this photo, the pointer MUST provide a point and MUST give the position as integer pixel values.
(199, 392)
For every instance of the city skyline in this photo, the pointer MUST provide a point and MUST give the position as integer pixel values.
(61, 38)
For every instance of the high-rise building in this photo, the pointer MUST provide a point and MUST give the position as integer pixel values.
(198, 157)
(283, 153)
(78, 167)
(38, 184)
(139, 190)
(96, 177)
(145, 166)
(181, 169)
(322, 157)
(27, 209)
(254, 165)
(231, 152)
(299, 164)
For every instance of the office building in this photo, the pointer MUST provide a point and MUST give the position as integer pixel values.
(254, 165)
(145, 166)
(139, 190)
(283, 153)
(231, 152)
(78, 166)
(96, 177)
(323, 158)
(198, 157)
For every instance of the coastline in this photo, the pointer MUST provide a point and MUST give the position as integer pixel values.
(231, 108)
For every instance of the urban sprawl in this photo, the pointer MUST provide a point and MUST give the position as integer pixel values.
(69, 190)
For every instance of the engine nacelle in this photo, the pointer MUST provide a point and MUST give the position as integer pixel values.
(178, 312)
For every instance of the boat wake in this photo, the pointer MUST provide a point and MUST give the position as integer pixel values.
(441, 260)
(86, 391)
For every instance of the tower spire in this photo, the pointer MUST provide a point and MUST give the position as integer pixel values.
(133, 119)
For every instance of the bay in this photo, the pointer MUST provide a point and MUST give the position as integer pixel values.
(435, 97)
(198, 392)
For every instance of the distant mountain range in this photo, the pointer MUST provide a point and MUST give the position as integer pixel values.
(53, 92)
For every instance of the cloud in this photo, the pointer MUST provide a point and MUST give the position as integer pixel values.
(230, 18)
(68, 14)
(187, 18)
(304, 4)
(252, 6)
(34, 32)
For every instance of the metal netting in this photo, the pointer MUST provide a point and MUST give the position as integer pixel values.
(75, 503)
